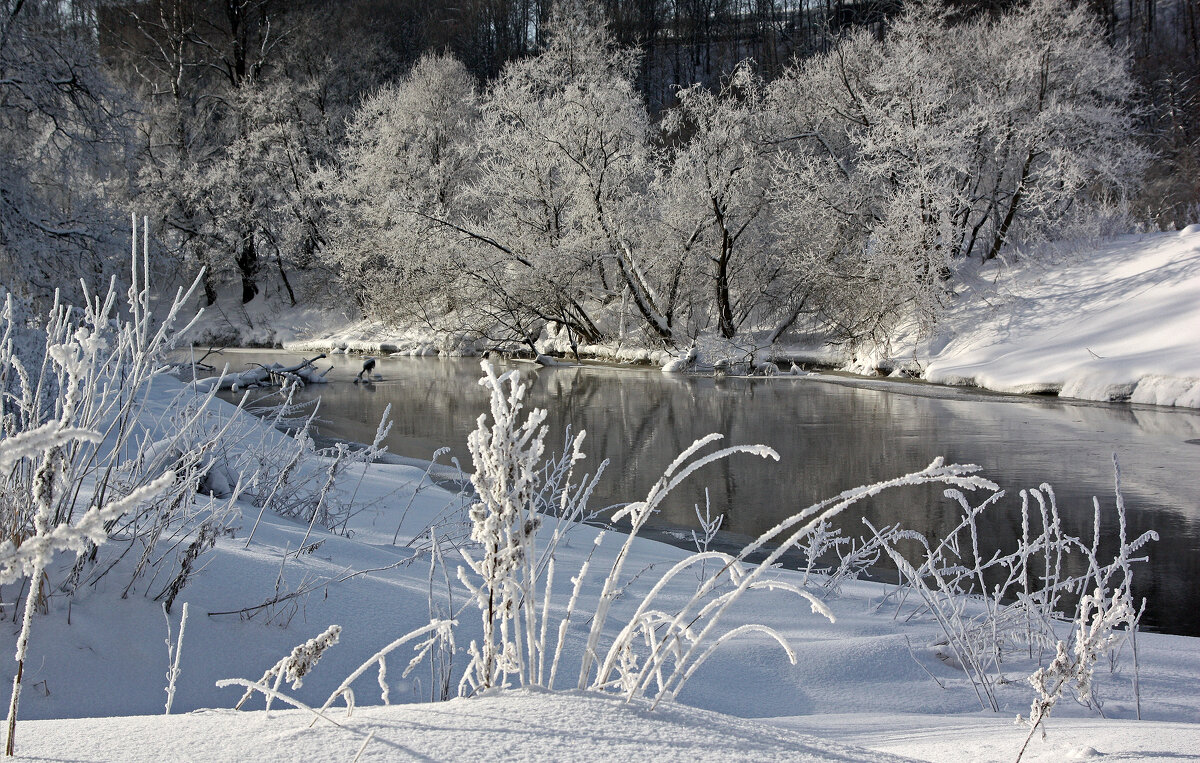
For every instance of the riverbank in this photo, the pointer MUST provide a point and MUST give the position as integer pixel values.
(1110, 320)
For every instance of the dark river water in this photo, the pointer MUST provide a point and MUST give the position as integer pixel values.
(831, 434)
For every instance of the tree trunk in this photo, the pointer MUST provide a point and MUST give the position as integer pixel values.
(724, 308)
(788, 321)
(1002, 233)
(656, 321)
(247, 263)
(210, 291)
(283, 275)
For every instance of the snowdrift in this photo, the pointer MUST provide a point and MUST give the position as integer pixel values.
(1117, 321)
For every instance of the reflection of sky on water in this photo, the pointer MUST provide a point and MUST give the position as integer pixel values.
(830, 437)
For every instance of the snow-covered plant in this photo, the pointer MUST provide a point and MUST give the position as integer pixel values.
(994, 607)
(1103, 622)
(709, 527)
(186, 521)
(822, 540)
(853, 556)
(504, 523)
(447, 529)
(303, 658)
(292, 668)
(857, 557)
(438, 634)
(95, 373)
(42, 450)
(680, 642)
(281, 467)
(656, 650)
(298, 481)
(416, 488)
(86, 461)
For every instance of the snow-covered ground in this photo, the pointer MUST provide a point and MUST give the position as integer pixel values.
(575, 726)
(870, 680)
(1120, 319)
(517, 725)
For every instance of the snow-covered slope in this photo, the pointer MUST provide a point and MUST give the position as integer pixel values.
(1119, 320)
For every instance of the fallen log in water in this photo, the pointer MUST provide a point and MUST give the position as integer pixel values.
(275, 374)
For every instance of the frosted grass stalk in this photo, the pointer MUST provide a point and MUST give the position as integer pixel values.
(173, 667)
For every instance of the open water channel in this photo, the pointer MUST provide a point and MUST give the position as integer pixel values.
(832, 433)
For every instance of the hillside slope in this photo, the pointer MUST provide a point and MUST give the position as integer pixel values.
(1116, 321)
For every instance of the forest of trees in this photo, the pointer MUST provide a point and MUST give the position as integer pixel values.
(654, 168)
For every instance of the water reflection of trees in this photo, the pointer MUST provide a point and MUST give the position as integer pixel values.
(829, 438)
(833, 438)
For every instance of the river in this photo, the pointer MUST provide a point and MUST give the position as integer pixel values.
(832, 433)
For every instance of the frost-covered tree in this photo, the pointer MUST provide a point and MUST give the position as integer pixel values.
(861, 208)
(567, 159)
(408, 154)
(504, 213)
(944, 140)
(190, 61)
(1058, 104)
(258, 198)
(291, 129)
(716, 195)
(242, 107)
(61, 136)
(853, 186)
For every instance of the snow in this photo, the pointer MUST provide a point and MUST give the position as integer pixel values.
(267, 320)
(517, 725)
(991, 738)
(568, 726)
(97, 670)
(1118, 320)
